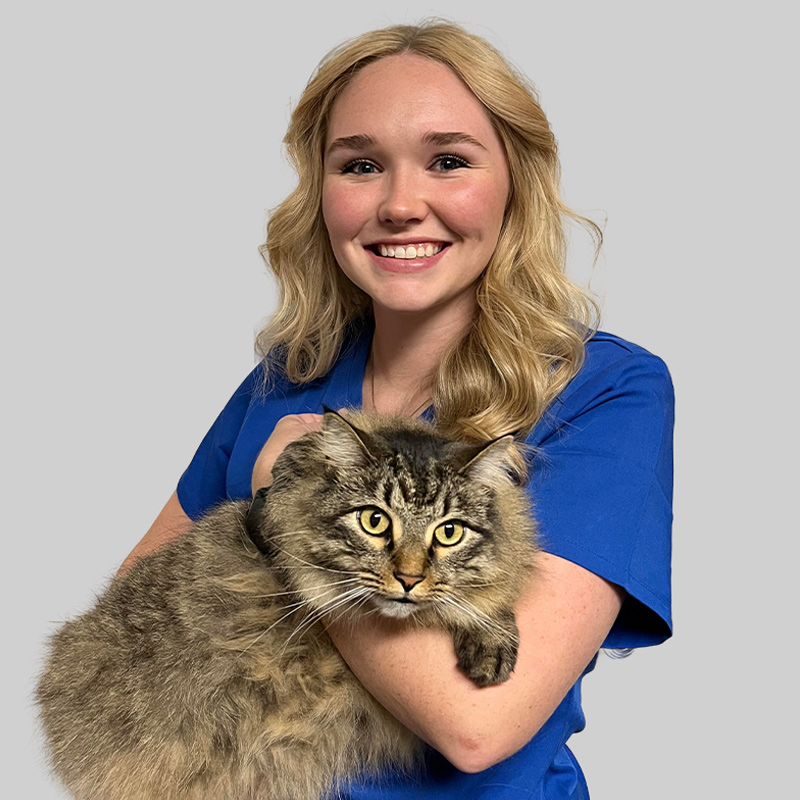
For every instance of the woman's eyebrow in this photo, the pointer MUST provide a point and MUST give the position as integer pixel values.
(438, 138)
(442, 139)
(356, 142)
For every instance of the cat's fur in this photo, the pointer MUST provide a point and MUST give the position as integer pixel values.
(205, 672)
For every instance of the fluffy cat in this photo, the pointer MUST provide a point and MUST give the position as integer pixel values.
(205, 672)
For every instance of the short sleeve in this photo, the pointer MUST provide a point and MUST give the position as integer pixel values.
(204, 483)
(601, 482)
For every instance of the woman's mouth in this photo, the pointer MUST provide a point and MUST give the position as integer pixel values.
(408, 251)
(407, 258)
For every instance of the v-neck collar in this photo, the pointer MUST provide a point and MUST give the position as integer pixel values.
(345, 389)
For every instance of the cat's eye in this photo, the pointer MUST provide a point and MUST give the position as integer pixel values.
(374, 521)
(449, 533)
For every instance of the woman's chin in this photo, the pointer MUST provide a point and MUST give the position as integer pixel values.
(406, 301)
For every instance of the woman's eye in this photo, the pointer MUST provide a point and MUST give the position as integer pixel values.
(449, 163)
(374, 521)
(449, 533)
(360, 167)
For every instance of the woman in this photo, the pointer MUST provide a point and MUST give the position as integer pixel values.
(421, 266)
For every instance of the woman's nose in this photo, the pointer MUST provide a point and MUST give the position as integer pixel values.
(403, 201)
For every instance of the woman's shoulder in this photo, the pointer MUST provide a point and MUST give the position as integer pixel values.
(618, 382)
(613, 364)
(606, 351)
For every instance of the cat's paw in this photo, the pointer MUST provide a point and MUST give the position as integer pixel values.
(486, 658)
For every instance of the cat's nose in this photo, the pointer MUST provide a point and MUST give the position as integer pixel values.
(409, 581)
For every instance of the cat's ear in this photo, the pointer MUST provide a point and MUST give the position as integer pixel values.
(341, 442)
(497, 464)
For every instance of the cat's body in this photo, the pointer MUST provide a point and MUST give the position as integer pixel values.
(206, 673)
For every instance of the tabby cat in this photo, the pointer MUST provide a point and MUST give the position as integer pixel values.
(205, 672)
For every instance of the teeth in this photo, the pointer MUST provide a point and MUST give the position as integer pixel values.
(409, 250)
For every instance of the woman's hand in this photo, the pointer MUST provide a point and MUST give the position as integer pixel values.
(288, 428)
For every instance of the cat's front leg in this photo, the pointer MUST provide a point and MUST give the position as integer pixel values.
(487, 654)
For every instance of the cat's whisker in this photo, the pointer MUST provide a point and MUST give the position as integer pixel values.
(328, 607)
(365, 599)
(294, 532)
(321, 608)
(316, 566)
(273, 594)
(328, 587)
(362, 602)
(295, 567)
(273, 537)
(341, 582)
(464, 584)
(482, 620)
(468, 584)
(449, 601)
(353, 622)
(267, 630)
(372, 583)
(471, 605)
(487, 622)
(308, 600)
(349, 607)
(342, 599)
(293, 608)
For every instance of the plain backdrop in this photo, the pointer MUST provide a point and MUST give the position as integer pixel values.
(141, 152)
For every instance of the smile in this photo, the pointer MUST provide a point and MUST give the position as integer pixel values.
(408, 251)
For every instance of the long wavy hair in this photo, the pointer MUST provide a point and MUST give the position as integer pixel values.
(527, 340)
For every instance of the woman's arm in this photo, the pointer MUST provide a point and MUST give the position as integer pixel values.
(563, 618)
(171, 522)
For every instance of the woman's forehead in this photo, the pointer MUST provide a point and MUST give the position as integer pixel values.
(411, 94)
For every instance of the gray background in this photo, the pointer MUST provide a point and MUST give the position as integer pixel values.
(141, 151)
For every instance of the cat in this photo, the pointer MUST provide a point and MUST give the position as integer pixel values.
(205, 672)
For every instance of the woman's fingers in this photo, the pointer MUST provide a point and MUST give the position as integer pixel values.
(287, 429)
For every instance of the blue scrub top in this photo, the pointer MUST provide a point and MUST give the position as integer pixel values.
(601, 489)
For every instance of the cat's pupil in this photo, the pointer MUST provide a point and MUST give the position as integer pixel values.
(449, 529)
(375, 518)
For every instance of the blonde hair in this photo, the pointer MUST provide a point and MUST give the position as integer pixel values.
(527, 340)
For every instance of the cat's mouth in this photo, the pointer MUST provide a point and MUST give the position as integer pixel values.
(396, 607)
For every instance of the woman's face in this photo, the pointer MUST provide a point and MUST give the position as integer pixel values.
(415, 187)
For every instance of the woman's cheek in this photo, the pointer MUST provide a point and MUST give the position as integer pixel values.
(476, 211)
(343, 210)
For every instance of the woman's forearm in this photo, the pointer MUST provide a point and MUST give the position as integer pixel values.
(563, 618)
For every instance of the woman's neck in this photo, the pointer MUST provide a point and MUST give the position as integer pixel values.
(406, 351)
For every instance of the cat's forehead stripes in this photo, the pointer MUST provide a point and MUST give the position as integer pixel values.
(398, 496)
(418, 481)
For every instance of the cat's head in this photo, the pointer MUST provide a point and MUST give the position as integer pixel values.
(384, 514)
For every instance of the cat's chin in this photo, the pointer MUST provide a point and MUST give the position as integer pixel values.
(394, 608)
